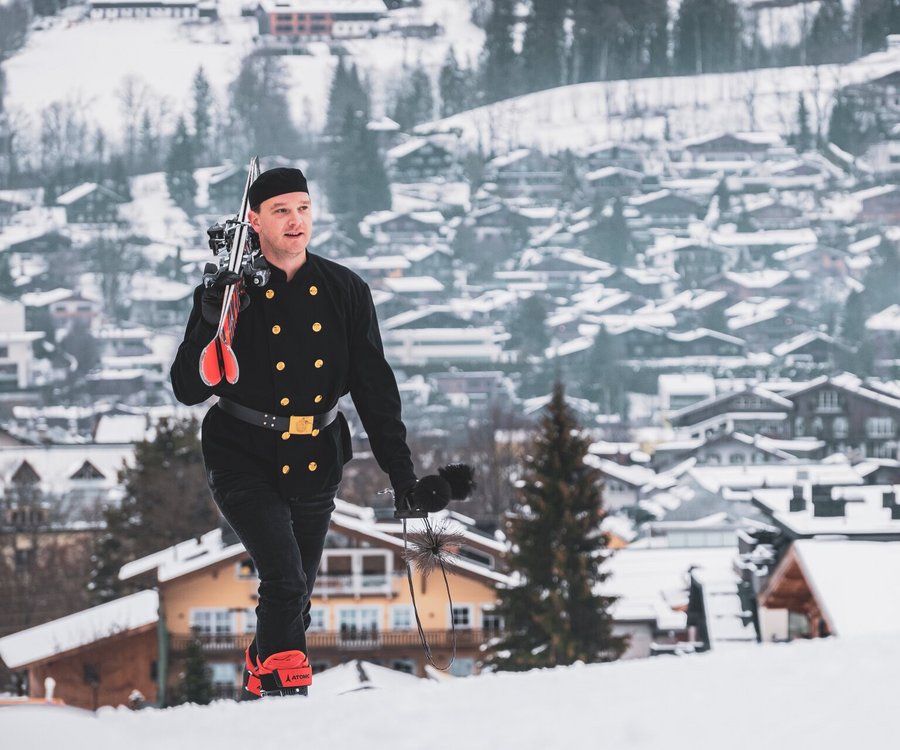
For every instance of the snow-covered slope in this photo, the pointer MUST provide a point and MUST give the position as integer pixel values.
(827, 695)
(589, 113)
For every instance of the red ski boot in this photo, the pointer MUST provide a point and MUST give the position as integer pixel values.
(284, 673)
(251, 674)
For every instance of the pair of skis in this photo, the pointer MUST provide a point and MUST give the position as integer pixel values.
(235, 248)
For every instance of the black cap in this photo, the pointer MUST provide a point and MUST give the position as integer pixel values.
(276, 181)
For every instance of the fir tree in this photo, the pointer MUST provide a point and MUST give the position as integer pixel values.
(804, 133)
(500, 64)
(454, 86)
(724, 196)
(166, 500)
(827, 37)
(853, 322)
(347, 92)
(603, 379)
(553, 615)
(261, 123)
(528, 327)
(414, 102)
(707, 36)
(180, 168)
(357, 183)
(203, 106)
(543, 45)
(195, 685)
(843, 129)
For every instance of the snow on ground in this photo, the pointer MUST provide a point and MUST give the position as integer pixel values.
(828, 694)
(585, 114)
(87, 62)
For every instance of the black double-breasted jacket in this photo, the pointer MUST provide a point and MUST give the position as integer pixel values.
(300, 345)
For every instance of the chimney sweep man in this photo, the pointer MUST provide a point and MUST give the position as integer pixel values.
(306, 338)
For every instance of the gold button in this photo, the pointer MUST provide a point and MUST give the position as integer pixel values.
(317, 327)
(276, 329)
(319, 363)
(314, 290)
(314, 433)
(285, 436)
(279, 365)
(285, 401)
(313, 466)
(317, 399)
(270, 293)
(285, 469)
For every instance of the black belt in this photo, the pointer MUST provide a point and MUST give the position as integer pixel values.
(292, 425)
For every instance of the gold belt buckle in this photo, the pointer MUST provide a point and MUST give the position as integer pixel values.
(301, 426)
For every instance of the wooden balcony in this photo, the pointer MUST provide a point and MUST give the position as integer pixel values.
(353, 643)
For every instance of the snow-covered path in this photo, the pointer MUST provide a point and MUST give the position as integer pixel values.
(827, 695)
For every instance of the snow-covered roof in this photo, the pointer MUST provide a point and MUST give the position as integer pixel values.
(774, 475)
(80, 629)
(76, 193)
(854, 583)
(863, 511)
(336, 7)
(413, 284)
(886, 320)
(356, 675)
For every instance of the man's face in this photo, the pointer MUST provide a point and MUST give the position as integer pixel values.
(284, 225)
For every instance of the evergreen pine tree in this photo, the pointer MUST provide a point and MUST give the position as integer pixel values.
(347, 92)
(619, 235)
(827, 36)
(261, 123)
(7, 285)
(166, 500)
(552, 616)
(804, 133)
(454, 86)
(148, 157)
(603, 381)
(500, 63)
(853, 322)
(203, 107)
(528, 327)
(543, 49)
(358, 183)
(843, 129)
(880, 280)
(180, 168)
(707, 36)
(195, 685)
(414, 102)
(724, 196)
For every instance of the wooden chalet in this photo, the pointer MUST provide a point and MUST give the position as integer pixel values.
(90, 203)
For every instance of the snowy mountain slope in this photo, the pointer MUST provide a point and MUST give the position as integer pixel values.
(828, 694)
(88, 61)
(589, 113)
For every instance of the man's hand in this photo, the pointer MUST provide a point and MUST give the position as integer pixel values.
(215, 281)
(405, 505)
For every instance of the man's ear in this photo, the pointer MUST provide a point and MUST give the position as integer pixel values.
(253, 218)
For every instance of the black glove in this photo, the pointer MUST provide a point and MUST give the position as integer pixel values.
(404, 501)
(215, 281)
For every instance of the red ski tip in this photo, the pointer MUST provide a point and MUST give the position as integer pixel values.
(218, 361)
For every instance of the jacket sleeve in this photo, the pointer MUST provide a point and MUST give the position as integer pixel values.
(374, 391)
(187, 384)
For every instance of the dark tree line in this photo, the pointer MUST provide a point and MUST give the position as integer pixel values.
(572, 41)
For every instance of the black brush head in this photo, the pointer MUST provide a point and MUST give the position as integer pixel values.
(461, 478)
(432, 493)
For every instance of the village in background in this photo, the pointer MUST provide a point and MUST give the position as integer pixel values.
(694, 242)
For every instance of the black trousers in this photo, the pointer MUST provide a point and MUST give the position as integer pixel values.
(285, 538)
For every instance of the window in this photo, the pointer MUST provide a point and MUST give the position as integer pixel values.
(407, 666)
(4, 352)
(88, 471)
(402, 617)
(462, 667)
(461, 616)
(840, 428)
(249, 620)
(879, 427)
(817, 427)
(829, 401)
(246, 569)
(212, 621)
(490, 620)
(357, 622)
(223, 673)
(799, 427)
(319, 619)
(736, 458)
